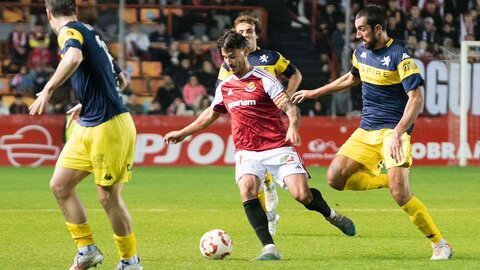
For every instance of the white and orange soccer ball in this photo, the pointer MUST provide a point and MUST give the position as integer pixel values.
(216, 244)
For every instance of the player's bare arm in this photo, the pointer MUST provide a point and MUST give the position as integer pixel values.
(293, 82)
(70, 62)
(346, 81)
(283, 102)
(410, 114)
(205, 119)
(123, 81)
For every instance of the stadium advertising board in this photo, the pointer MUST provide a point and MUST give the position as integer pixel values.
(35, 141)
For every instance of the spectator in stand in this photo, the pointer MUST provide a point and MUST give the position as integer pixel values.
(159, 43)
(181, 73)
(207, 76)
(133, 105)
(178, 107)
(296, 10)
(317, 109)
(417, 18)
(155, 108)
(447, 32)
(39, 42)
(409, 29)
(394, 30)
(202, 104)
(18, 106)
(174, 52)
(469, 21)
(166, 94)
(3, 108)
(22, 82)
(432, 9)
(18, 44)
(393, 10)
(40, 78)
(198, 54)
(137, 43)
(429, 33)
(193, 91)
(411, 45)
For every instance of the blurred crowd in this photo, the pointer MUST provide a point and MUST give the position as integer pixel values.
(430, 29)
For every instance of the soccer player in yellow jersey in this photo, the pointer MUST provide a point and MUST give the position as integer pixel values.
(101, 143)
(392, 99)
(274, 63)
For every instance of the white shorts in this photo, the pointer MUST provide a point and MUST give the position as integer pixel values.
(280, 162)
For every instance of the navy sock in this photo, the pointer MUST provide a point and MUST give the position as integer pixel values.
(258, 219)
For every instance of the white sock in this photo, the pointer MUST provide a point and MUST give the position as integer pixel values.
(269, 246)
(440, 243)
(87, 249)
(132, 260)
(332, 213)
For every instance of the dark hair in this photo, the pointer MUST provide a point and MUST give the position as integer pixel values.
(374, 16)
(249, 20)
(232, 40)
(61, 7)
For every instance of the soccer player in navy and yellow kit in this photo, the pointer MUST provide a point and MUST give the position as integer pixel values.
(274, 63)
(103, 141)
(392, 99)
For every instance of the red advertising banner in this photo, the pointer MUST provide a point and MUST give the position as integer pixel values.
(37, 140)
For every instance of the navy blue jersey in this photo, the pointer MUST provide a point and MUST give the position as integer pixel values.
(387, 75)
(271, 61)
(95, 82)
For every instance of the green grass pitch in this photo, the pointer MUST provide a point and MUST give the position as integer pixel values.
(173, 206)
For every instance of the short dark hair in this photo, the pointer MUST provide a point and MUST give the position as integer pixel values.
(244, 18)
(61, 7)
(375, 15)
(232, 40)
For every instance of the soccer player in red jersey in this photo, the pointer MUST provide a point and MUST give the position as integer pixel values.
(254, 99)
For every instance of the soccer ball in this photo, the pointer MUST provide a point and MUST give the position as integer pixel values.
(216, 244)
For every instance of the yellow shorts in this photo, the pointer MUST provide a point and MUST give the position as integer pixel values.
(372, 149)
(105, 150)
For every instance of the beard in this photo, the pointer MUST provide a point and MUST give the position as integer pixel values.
(371, 44)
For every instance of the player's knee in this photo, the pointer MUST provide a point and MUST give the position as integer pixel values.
(59, 189)
(401, 196)
(248, 194)
(335, 179)
(303, 196)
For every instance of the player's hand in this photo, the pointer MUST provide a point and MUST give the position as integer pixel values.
(40, 104)
(173, 137)
(293, 136)
(302, 95)
(74, 113)
(396, 150)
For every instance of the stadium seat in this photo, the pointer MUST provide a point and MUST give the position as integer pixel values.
(130, 15)
(151, 68)
(149, 15)
(133, 68)
(12, 14)
(173, 11)
(114, 48)
(4, 85)
(139, 86)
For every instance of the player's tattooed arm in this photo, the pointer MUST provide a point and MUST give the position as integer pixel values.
(293, 113)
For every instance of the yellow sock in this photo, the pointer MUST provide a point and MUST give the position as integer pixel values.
(126, 245)
(362, 180)
(419, 215)
(81, 233)
(261, 194)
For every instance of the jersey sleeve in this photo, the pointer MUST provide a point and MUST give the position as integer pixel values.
(354, 70)
(408, 72)
(284, 66)
(69, 37)
(217, 104)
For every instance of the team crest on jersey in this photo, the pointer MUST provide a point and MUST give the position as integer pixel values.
(386, 61)
(264, 58)
(250, 87)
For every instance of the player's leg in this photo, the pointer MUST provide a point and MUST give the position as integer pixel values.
(270, 202)
(112, 158)
(249, 185)
(398, 175)
(313, 200)
(72, 166)
(63, 185)
(358, 163)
